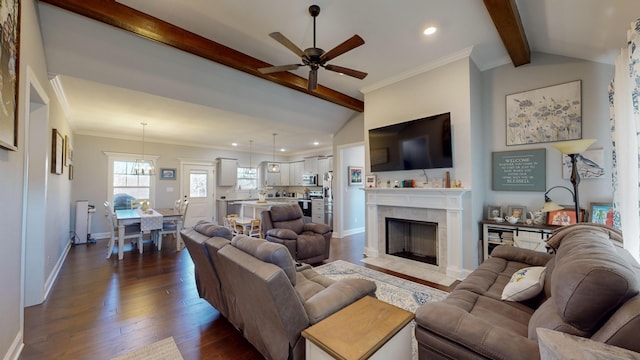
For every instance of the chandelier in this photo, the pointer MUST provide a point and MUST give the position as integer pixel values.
(143, 166)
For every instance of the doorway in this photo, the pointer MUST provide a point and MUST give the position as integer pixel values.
(36, 168)
(197, 187)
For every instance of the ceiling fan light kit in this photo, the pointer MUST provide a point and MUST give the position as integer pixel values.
(315, 57)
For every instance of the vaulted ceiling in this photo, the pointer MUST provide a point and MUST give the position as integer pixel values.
(197, 82)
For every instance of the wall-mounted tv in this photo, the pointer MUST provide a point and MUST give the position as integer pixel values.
(412, 145)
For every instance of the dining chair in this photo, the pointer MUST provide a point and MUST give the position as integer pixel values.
(235, 228)
(227, 221)
(130, 231)
(171, 227)
(254, 229)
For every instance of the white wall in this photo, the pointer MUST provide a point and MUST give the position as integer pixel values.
(351, 198)
(444, 89)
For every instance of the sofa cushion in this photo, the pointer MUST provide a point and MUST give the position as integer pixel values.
(210, 229)
(284, 234)
(309, 245)
(590, 280)
(269, 252)
(287, 217)
(524, 284)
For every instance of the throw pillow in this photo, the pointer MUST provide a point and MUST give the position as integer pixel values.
(524, 284)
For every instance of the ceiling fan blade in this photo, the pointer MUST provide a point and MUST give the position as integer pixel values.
(347, 45)
(287, 43)
(280, 68)
(346, 71)
(312, 83)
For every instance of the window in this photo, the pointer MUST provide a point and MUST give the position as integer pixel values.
(247, 178)
(124, 187)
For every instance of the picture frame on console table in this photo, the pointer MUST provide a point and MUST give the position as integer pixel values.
(494, 211)
(518, 211)
(566, 216)
(602, 213)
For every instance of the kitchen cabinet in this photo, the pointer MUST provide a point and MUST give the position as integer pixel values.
(296, 169)
(311, 165)
(284, 174)
(267, 178)
(227, 171)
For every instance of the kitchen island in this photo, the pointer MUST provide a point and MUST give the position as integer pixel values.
(253, 208)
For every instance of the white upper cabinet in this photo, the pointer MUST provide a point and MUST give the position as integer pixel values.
(227, 172)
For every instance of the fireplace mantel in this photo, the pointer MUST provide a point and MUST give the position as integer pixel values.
(451, 200)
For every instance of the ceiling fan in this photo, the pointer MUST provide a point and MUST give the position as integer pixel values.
(315, 57)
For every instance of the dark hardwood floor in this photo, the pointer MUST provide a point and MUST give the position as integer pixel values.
(99, 309)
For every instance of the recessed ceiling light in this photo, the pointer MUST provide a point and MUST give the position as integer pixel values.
(234, 144)
(316, 143)
(282, 150)
(430, 30)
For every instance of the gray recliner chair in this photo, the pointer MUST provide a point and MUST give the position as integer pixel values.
(307, 243)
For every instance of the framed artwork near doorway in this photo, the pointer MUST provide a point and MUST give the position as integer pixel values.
(355, 175)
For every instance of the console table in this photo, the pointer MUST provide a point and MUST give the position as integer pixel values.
(521, 235)
(367, 329)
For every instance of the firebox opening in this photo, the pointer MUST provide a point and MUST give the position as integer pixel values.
(412, 239)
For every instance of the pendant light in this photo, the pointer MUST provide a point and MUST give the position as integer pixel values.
(250, 152)
(274, 167)
(143, 166)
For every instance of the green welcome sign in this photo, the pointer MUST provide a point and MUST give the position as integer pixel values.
(521, 170)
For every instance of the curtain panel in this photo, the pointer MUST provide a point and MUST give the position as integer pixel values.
(624, 102)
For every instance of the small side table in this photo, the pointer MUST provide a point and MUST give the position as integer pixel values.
(367, 329)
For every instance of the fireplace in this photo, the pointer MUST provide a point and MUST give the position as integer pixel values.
(443, 207)
(412, 239)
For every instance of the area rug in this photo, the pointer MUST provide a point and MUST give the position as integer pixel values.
(165, 349)
(391, 289)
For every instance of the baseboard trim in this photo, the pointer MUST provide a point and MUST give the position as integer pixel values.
(15, 350)
(56, 270)
(353, 231)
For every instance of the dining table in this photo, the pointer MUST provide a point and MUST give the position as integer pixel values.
(149, 221)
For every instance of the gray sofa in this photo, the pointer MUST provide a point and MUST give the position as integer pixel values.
(308, 243)
(590, 290)
(259, 288)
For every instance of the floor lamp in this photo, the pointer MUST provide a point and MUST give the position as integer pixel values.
(573, 148)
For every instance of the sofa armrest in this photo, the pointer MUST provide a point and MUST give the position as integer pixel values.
(469, 331)
(527, 256)
(284, 234)
(336, 296)
(317, 228)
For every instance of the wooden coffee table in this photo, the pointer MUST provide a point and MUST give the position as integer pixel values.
(367, 329)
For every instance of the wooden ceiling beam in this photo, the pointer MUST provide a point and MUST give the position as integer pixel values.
(506, 18)
(115, 14)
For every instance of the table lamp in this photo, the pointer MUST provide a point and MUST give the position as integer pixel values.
(573, 148)
(550, 205)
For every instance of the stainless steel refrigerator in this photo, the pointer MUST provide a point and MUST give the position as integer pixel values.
(328, 198)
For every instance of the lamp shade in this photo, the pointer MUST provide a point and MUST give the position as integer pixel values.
(573, 146)
(551, 206)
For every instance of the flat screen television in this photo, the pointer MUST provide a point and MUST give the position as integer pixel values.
(412, 145)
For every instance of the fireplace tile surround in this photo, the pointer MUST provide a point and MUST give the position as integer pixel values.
(442, 206)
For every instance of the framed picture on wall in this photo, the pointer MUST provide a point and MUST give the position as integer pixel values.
(355, 175)
(57, 152)
(9, 61)
(167, 174)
